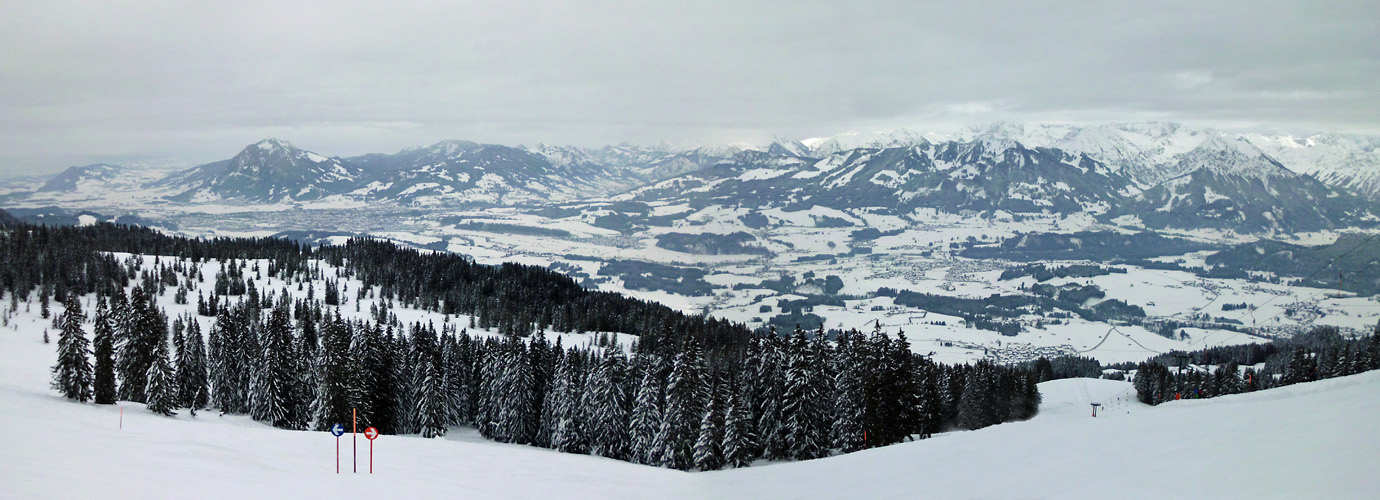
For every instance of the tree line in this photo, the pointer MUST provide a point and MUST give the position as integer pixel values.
(1319, 354)
(690, 397)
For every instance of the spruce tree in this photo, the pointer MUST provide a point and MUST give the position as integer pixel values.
(738, 440)
(679, 425)
(431, 418)
(133, 349)
(769, 383)
(975, 409)
(72, 374)
(645, 421)
(333, 401)
(846, 430)
(607, 422)
(708, 445)
(192, 386)
(273, 400)
(104, 344)
(161, 390)
(799, 402)
(570, 433)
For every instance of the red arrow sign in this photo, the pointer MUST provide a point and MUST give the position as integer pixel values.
(371, 433)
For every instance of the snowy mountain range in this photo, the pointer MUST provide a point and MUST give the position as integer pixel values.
(1160, 174)
(1153, 152)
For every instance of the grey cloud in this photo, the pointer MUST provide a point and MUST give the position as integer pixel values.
(105, 79)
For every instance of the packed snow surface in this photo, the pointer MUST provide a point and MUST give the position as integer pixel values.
(1303, 441)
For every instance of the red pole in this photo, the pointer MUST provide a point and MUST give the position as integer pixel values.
(371, 456)
(354, 436)
(122, 417)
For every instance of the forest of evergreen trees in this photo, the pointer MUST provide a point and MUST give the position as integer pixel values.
(1319, 354)
(691, 393)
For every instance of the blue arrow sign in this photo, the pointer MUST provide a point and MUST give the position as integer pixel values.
(337, 430)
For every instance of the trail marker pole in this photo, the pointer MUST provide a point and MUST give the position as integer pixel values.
(354, 436)
(122, 417)
(371, 433)
(337, 430)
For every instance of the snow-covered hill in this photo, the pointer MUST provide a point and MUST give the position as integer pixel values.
(268, 171)
(1304, 441)
(463, 172)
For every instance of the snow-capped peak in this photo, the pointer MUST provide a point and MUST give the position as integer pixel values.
(1233, 156)
(273, 144)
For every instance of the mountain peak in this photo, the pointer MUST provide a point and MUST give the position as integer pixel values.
(273, 144)
(1233, 156)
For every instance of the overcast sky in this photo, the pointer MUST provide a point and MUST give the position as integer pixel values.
(83, 81)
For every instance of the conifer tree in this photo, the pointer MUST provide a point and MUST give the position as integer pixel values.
(333, 401)
(607, 421)
(161, 390)
(708, 444)
(799, 401)
(645, 421)
(273, 400)
(143, 329)
(846, 429)
(193, 388)
(104, 347)
(975, 409)
(72, 374)
(679, 425)
(738, 431)
(570, 434)
(431, 418)
(769, 383)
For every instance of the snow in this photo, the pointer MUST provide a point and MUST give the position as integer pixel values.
(1303, 441)
(758, 174)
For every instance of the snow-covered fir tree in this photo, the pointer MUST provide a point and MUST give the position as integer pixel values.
(645, 420)
(193, 389)
(607, 418)
(273, 399)
(72, 374)
(161, 389)
(709, 444)
(334, 403)
(739, 445)
(103, 343)
(680, 423)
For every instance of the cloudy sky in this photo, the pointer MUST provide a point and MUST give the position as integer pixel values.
(86, 81)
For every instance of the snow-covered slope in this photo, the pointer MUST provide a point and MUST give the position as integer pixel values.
(1303, 441)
